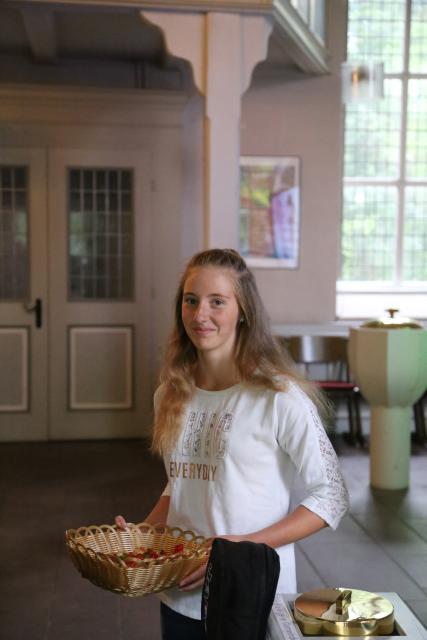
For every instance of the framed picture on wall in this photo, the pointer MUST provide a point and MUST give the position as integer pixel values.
(269, 221)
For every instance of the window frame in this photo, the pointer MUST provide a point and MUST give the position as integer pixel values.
(403, 292)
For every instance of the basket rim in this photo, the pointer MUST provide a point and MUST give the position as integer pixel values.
(145, 527)
(74, 542)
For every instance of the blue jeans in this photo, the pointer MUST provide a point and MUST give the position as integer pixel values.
(175, 626)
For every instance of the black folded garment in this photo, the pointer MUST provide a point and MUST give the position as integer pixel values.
(239, 588)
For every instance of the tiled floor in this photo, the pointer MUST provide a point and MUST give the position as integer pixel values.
(46, 488)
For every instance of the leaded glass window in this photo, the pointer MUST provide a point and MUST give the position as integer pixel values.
(14, 238)
(369, 232)
(101, 237)
(384, 221)
(415, 234)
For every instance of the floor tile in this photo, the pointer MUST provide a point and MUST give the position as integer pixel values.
(140, 618)
(419, 608)
(419, 525)
(48, 487)
(307, 576)
(416, 566)
(361, 566)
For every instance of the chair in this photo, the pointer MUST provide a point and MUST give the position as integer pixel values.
(331, 351)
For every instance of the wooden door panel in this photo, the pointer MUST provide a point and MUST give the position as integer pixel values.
(14, 372)
(100, 286)
(23, 345)
(101, 364)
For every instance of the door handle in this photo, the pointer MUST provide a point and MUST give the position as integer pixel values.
(37, 307)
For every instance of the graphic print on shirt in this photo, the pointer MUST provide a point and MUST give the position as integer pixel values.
(205, 437)
(193, 433)
(213, 428)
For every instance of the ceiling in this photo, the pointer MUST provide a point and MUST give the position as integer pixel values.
(48, 34)
(44, 37)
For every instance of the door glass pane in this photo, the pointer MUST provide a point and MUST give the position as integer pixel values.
(14, 254)
(101, 238)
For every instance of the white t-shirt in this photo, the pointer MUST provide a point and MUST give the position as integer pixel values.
(232, 470)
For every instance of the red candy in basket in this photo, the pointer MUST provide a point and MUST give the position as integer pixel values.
(138, 560)
(134, 558)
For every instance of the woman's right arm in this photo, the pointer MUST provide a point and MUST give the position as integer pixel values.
(158, 515)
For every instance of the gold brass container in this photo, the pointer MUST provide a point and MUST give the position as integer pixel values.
(343, 612)
(392, 322)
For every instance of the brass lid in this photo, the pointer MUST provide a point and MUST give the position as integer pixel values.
(343, 612)
(392, 322)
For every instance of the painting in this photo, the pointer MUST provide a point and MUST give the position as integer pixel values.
(269, 221)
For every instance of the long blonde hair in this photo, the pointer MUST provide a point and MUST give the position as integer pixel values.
(261, 360)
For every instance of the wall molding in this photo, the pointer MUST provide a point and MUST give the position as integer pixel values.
(90, 107)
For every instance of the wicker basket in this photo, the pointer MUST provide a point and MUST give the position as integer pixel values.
(95, 552)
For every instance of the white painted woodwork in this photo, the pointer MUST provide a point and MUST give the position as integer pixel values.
(95, 411)
(223, 49)
(306, 48)
(101, 363)
(222, 132)
(356, 304)
(26, 361)
(185, 38)
(15, 359)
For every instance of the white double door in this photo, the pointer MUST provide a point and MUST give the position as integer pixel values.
(74, 307)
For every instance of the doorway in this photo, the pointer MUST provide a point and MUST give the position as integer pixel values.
(74, 294)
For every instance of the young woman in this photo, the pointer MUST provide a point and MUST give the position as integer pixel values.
(234, 423)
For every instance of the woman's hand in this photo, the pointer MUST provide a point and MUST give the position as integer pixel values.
(120, 522)
(197, 577)
(194, 579)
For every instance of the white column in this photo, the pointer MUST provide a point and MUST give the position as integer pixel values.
(390, 447)
(223, 49)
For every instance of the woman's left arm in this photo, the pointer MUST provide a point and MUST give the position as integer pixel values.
(299, 524)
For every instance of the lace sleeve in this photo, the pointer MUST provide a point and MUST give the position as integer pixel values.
(302, 435)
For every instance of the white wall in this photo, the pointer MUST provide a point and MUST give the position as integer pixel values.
(302, 117)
